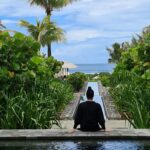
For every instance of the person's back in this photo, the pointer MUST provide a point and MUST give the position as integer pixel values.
(89, 114)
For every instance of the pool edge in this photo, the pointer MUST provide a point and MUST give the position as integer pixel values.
(61, 134)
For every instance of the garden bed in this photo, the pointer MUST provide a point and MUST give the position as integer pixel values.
(70, 109)
(110, 108)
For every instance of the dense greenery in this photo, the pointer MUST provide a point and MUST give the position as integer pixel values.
(115, 52)
(77, 80)
(104, 77)
(30, 96)
(130, 82)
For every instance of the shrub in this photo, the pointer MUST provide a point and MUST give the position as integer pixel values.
(30, 96)
(35, 107)
(77, 80)
(104, 77)
(132, 99)
(130, 83)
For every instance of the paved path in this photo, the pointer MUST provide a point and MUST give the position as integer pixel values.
(67, 120)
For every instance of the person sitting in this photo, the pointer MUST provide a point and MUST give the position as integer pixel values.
(89, 114)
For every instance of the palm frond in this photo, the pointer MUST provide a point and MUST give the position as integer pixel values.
(51, 4)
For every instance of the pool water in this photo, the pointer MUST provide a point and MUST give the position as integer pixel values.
(76, 145)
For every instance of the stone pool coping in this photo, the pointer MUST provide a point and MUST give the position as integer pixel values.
(61, 134)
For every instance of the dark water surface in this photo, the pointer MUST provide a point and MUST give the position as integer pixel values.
(76, 145)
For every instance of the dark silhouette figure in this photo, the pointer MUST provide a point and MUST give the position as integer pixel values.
(89, 114)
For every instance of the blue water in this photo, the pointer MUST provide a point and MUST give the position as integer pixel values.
(93, 68)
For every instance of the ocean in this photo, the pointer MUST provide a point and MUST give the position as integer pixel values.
(93, 68)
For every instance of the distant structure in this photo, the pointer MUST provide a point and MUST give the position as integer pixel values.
(65, 69)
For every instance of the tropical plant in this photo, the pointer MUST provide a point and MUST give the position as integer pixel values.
(30, 96)
(115, 52)
(44, 31)
(130, 82)
(77, 80)
(49, 6)
(104, 77)
(132, 98)
(37, 106)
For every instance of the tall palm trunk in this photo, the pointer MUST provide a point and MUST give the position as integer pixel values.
(49, 46)
(49, 49)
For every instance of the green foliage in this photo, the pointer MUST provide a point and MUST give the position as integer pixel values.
(115, 52)
(104, 77)
(132, 98)
(44, 31)
(30, 96)
(49, 5)
(35, 107)
(77, 80)
(130, 83)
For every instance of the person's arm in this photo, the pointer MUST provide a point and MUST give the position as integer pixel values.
(77, 118)
(101, 119)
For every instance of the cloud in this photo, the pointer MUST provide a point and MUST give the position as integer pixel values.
(88, 24)
(80, 35)
(9, 21)
(21, 8)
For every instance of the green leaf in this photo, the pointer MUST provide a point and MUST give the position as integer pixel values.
(16, 66)
(37, 60)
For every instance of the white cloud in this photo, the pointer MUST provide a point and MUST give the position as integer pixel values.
(80, 35)
(9, 21)
(89, 24)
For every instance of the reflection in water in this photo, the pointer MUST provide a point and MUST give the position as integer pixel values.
(89, 145)
(76, 145)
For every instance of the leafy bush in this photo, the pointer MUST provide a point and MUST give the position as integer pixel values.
(30, 96)
(35, 107)
(77, 80)
(132, 99)
(130, 83)
(104, 77)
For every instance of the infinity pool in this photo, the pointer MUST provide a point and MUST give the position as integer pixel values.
(76, 145)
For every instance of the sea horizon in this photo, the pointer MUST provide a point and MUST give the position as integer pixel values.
(93, 68)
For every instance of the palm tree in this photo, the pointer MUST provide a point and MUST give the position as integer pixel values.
(146, 30)
(49, 6)
(44, 31)
(115, 53)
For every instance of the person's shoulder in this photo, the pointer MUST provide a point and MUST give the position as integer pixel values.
(97, 104)
(82, 104)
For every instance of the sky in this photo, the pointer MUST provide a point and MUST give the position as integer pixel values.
(90, 26)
